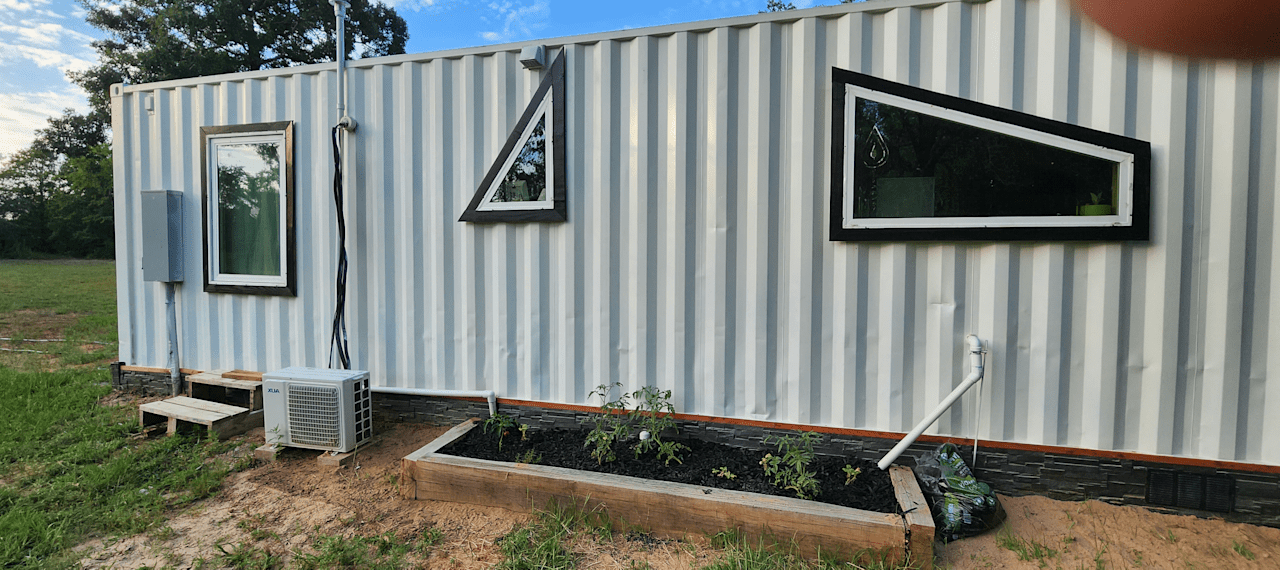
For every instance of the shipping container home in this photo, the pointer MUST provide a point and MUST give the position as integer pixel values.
(787, 218)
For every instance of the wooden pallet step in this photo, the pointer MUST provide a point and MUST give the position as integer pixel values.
(182, 413)
(226, 390)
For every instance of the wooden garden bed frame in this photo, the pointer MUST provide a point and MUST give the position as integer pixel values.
(674, 510)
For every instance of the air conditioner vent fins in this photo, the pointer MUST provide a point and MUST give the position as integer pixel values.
(318, 408)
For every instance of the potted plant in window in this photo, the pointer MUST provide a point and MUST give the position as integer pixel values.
(1097, 207)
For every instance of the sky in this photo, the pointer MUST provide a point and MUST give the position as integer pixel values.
(40, 40)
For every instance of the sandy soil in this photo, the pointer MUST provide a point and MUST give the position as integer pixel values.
(284, 506)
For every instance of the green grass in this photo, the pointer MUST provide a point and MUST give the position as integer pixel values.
(244, 557)
(73, 300)
(70, 470)
(540, 544)
(382, 552)
(1027, 549)
(1242, 550)
(739, 553)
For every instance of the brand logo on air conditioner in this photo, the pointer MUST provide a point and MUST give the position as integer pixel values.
(273, 390)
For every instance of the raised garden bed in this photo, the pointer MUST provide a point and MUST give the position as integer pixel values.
(674, 510)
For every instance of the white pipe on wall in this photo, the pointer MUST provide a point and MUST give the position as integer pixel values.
(340, 14)
(489, 395)
(975, 361)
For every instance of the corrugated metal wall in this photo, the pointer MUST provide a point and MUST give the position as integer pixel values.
(696, 259)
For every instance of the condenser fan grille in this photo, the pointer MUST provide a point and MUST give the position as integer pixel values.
(313, 415)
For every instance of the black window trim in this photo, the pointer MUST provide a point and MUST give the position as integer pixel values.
(290, 261)
(1138, 230)
(559, 212)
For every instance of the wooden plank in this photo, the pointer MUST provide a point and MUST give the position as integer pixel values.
(184, 413)
(245, 375)
(327, 459)
(665, 509)
(217, 407)
(225, 382)
(266, 452)
(154, 370)
(202, 378)
(237, 424)
(146, 418)
(915, 511)
(225, 390)
(445, 439)
(409, 487)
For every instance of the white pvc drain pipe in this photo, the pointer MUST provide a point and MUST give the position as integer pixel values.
(489, 395)
(975, 359)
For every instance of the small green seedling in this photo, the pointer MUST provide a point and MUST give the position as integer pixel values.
(723, 473)
(851, 473)
(1243, 550)
(611, 424)
(791, 470)
(500, 424)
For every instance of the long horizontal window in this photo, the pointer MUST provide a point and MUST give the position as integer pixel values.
(917, 165)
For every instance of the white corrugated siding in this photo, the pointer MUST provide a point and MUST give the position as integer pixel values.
(696, 258)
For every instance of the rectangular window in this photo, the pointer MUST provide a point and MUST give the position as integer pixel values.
(248, 208)
(910, 164)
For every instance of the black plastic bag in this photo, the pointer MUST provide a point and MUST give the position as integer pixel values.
(961, 505)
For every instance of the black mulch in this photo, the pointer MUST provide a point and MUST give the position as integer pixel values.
(871, 491)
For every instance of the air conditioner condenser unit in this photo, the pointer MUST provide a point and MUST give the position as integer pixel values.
(317, 408)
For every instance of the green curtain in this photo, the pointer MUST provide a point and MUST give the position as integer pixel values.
(249, 229)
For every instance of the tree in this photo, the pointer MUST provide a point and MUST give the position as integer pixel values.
(56, 195)
(157, 40)
(28, 180)
(778, 6)
(82, 216)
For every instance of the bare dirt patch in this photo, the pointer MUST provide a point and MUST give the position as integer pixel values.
(1094, 534)
(285, 506)
(35, 324)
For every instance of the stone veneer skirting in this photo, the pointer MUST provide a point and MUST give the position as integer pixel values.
(1007, 468)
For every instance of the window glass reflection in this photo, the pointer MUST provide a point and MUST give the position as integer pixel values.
(249, 208)
(913, 165)
(526, 181)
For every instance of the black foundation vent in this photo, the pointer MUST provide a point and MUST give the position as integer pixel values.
(1190, 490)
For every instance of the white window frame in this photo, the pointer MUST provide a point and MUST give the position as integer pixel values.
(488, 205)
(215, 276)
(1124, 161)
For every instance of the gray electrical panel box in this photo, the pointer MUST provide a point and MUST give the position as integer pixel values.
(161, 235)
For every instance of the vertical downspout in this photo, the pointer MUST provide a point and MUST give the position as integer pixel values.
(170, 304)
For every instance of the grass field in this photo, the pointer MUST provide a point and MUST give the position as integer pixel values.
(70, 467)
(73, 302)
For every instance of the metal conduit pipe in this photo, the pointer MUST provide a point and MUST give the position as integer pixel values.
(489, 395)
(171, 310)
(975, 360)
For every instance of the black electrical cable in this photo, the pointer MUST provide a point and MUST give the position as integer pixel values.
(339, 339)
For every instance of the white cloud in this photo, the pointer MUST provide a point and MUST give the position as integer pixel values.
(415, 5)
(22, 113)
(20, 5)
(44, 33)
(517, 21)
(64, 62)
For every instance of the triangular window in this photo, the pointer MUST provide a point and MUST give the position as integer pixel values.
(526, 181)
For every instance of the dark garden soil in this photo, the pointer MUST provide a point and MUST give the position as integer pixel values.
(870, 491)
